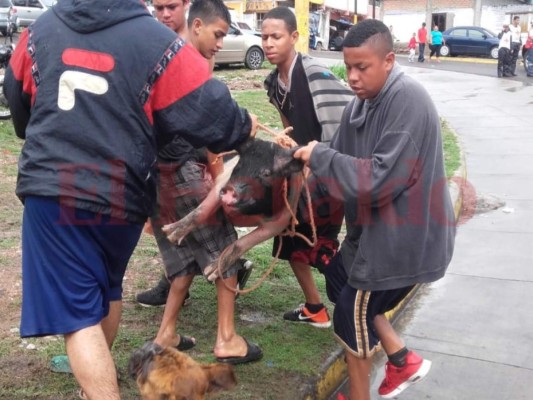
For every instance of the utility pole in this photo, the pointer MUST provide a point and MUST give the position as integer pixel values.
(301, 9)
(429, 12)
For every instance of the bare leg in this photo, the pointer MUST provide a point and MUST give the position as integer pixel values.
(111, 323)
(92, 363)
(228, 343)
(390, 340)
(307, 283)
(359, 374)
(166, 336)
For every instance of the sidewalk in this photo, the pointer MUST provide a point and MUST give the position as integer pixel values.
(476, 323)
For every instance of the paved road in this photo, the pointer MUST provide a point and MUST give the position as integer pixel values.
(475, 66)
(476, 324)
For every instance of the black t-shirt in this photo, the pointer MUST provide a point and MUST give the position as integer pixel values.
(298, 106)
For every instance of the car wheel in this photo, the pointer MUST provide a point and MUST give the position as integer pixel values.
(3, 32)
(319, 46)
(494, 52)
(254, 58)
(445, 51)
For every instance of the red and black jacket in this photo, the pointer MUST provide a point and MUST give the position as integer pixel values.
(95, 88)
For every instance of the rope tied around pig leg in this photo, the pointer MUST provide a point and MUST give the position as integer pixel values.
(286, 141)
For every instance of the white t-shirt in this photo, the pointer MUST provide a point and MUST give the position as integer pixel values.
(515, 33)
(505, 40)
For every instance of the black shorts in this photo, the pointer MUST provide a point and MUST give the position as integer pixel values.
(355, 310)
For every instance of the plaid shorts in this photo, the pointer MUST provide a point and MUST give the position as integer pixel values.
(189, 185)
(355, 310)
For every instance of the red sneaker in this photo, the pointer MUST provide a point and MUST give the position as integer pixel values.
(398, 379)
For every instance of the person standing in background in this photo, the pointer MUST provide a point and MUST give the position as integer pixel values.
(516, 42)
(412, 48)
(504, 50)
(436, 43)
(422, 36)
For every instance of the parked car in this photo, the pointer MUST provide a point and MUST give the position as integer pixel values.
(28, 11)
(335, 43)
(240, 47)
(245, 28)
(8, 19)
(471, 41)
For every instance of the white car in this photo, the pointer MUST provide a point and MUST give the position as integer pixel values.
(245, 28)
(240, 47)
(28, 11)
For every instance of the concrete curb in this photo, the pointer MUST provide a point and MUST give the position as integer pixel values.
(333, 372)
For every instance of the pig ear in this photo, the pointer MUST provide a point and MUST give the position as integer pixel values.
(285, 164)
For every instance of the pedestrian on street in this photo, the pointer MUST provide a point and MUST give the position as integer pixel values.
(528, 50)
(436, 43)
(388, 169)
(504, 52)
(86, 103)
(422, 37)
(412, 48)
(516, 43)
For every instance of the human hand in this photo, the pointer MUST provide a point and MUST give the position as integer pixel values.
(304, 152)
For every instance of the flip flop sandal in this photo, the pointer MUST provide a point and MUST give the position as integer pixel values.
(254, 353)
(60, 364)
(186, 343)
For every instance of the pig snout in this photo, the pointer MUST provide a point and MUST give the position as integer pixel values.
(228, 196)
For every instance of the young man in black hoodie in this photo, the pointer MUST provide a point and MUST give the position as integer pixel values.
(93, 100)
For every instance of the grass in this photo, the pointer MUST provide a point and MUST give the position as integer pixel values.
(292, 353)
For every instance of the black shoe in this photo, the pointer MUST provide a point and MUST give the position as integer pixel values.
(155, 297)
(513, 74)
(507, 75)
(243, 274)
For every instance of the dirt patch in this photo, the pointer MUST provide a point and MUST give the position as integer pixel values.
(238, 79)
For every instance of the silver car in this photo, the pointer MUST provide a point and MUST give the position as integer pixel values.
(240, 47)
(28, 11)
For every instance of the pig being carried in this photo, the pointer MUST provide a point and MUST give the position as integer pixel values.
(252, 193)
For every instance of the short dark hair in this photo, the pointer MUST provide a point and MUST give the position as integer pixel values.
(423, 24)
(372, 32)
(284, 14)
(208, 11)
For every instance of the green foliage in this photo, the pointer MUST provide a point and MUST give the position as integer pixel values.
(339, 71)
(452, 151)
